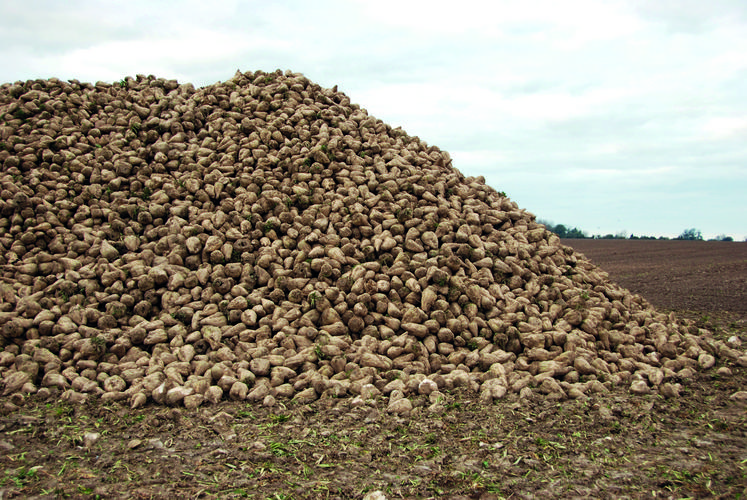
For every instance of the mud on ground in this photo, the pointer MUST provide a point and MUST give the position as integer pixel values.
(611, 445)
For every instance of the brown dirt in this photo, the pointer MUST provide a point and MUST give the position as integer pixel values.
(612, 445)
(676, 275)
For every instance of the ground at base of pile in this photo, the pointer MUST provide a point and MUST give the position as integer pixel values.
(612, 445)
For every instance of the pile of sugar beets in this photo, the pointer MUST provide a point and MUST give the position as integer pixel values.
(264, 239)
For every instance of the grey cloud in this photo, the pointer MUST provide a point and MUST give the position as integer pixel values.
(692, 16)
(56, 27)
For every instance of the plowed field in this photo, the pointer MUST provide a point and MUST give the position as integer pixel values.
(695, 276)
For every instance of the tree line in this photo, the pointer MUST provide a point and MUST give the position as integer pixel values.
(563, 231)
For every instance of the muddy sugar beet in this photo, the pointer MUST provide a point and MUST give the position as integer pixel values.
(264, 239)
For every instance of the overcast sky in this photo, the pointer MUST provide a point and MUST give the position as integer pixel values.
(610, 116)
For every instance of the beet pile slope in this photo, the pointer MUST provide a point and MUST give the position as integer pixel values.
(264, 238)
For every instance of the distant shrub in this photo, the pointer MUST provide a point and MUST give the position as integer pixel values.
(691, 234)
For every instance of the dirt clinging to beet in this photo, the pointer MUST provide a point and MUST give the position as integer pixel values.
(264, 239)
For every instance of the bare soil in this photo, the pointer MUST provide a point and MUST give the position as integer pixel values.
(611, 445)
(709, 276)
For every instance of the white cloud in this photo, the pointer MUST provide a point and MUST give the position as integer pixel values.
(726, 126)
